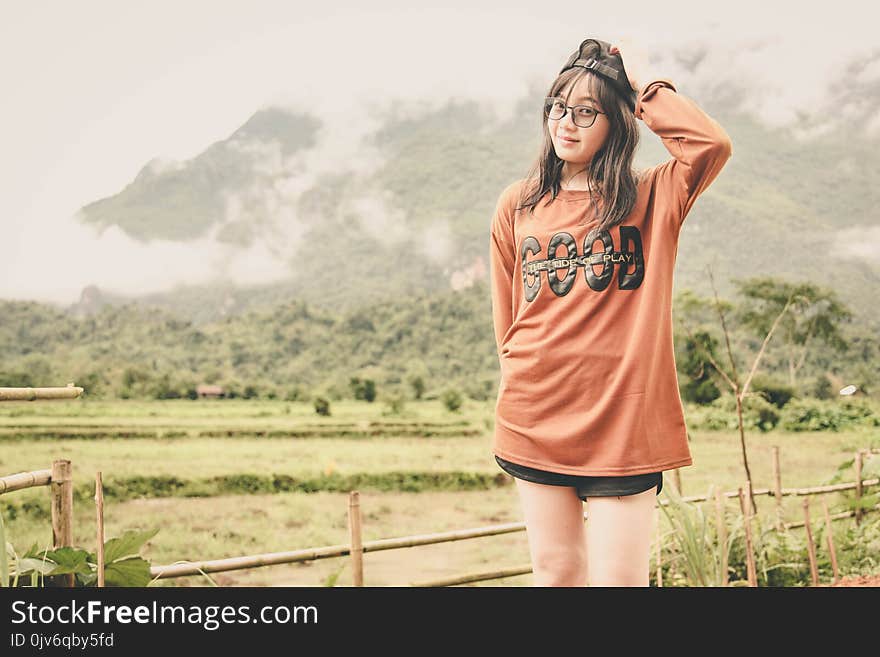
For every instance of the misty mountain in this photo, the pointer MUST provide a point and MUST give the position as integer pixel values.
(182, 201)
(798, 202)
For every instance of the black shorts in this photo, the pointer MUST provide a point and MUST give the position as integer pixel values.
(586, 486)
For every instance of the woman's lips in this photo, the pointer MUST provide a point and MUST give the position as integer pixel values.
(566, 140)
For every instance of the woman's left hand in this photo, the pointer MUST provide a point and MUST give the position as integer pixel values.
(634, 62)
(633, 82)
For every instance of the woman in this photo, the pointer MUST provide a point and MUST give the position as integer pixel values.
(582, 256)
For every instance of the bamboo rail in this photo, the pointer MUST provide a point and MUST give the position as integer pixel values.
(23, 480)
(834, 516)
(467, 578)
(70, 391)
(183, 569)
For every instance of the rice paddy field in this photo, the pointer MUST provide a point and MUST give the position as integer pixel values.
(226, 478)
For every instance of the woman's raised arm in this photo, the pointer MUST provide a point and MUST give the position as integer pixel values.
(699, 146)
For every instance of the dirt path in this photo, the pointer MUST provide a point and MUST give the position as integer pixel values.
(860, 580)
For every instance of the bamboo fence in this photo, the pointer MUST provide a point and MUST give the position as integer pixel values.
(59, 477)
(356, 548)
(60, 480)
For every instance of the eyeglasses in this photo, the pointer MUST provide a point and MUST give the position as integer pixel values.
(584, 115)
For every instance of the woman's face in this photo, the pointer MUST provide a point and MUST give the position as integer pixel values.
(572, 143)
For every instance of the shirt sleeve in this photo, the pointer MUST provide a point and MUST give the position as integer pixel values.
(502, 262)
(699, 146)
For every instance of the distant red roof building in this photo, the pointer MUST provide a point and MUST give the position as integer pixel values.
(205, 390)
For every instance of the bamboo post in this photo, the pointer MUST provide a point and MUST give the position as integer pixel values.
(750, 508)
(777, 489)
(676, 476)
(858, 487)
(746, 508)
(830, 534)
(61, 490)
(99, 503)
(357, 548)
(722, 534)
(811, 549)
(658, 548)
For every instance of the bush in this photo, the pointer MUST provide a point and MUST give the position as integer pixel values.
(363, 389)
(93, 384)
(817, 415)
(294, 394)
(418, 386)
(480, 390)
(13, 379)
(758, 413)
(720, 415)
(700, 392)
(232, 389)
(163, 388)
(132, 376)
(823, 388)
(394, 405)
(451, 400)
(322, 406)
(775, 392)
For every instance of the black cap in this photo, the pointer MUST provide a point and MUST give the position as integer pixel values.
(603, 63)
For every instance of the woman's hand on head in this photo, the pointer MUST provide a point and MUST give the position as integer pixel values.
(634, 61)
(633, 82)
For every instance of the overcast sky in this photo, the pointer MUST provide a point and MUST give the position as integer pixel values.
(93, 90)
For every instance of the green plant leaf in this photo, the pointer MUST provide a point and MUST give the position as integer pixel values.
(126, 545)
(24, 566)
(87, 579)
(35, 551)
(699, 554)
(69, 560)
(134, 571)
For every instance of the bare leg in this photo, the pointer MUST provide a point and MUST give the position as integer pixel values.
(554, 517)
(619, 531)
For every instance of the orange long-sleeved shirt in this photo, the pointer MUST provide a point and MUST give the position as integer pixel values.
(588, 379)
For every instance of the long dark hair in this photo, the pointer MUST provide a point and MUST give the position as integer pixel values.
(611, 175)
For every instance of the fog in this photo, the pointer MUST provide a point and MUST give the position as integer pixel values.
(93, 91)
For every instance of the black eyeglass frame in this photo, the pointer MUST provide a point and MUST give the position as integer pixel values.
(549, 100)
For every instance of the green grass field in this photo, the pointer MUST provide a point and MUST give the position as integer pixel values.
(426, 470)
